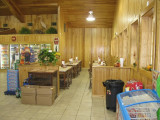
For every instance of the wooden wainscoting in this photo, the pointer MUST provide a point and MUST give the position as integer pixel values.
(103, 73)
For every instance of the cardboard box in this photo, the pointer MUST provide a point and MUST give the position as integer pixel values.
(28, 94)
(46, 95)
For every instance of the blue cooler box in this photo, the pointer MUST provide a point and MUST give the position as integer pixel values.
(138, 105)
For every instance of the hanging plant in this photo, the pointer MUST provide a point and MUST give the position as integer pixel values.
(46, 57)
(25, 30)
(51, 30)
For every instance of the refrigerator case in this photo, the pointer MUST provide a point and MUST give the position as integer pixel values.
(22, 55)
(4, 56)
(35, 50)
(138, 105)
(46, 46)
(14, 54)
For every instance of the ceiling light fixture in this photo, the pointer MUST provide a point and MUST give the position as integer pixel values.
(90, 17)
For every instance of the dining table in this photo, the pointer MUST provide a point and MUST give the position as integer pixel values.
(76, 67)
(65, 75)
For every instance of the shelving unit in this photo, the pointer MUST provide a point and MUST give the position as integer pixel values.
(4, 56)
(35, 51)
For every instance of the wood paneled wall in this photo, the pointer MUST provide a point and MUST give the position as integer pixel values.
(157, 57)
(13, 22)
(101, 74)
(75, 43)
(127, 12)
(138, 36)
(88, 43)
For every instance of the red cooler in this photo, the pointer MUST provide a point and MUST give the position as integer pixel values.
(133, 85)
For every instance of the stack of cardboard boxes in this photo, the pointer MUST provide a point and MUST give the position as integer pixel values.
(40, 95)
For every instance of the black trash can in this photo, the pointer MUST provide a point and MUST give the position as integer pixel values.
(113, 87)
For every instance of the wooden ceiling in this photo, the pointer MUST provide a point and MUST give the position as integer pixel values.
(75, 11)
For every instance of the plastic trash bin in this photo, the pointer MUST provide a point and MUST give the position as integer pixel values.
(113, 87)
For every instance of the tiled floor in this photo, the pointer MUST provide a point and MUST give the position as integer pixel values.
(75, 103)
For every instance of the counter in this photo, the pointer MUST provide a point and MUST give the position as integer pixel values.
(103, 73)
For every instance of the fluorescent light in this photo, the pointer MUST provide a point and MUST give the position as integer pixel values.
(90, 17)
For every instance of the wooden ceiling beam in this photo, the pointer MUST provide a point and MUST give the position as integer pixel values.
(14, 10)
(39, 5)
(3, 7)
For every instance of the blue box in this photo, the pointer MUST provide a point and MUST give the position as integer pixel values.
(12, 80)
(138, 105)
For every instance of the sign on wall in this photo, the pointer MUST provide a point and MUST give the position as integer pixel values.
(56, 44)
(13, 38)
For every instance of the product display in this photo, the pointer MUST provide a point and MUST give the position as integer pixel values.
(12, 80)
(4, 50)
(22, 53)
(35, 50)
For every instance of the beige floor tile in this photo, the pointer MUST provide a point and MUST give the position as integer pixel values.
(7, 118)
(70, 112)
(75, 103)
(12, 113)
(83, 117)
(110, 113)
(84, 112)
(68, 117)
(53, 117)
(97, 118)
(26, 115)
(22, 118)
(97, 113)
(45, 110)
(100, 108)
(112, 118)
(57, 111)
(39, 116)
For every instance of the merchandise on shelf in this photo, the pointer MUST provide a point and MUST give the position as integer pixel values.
(4, 56)
(45, 46)
(35, 51)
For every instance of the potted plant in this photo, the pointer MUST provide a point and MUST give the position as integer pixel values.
(47, 57)
(25, 30)
(51, 30)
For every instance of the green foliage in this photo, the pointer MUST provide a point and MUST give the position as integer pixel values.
(45, 57)
(51, 30)
(25, 31)
(134, 64)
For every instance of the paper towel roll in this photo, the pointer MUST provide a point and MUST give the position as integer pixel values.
(121, 62)
(63, 62)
